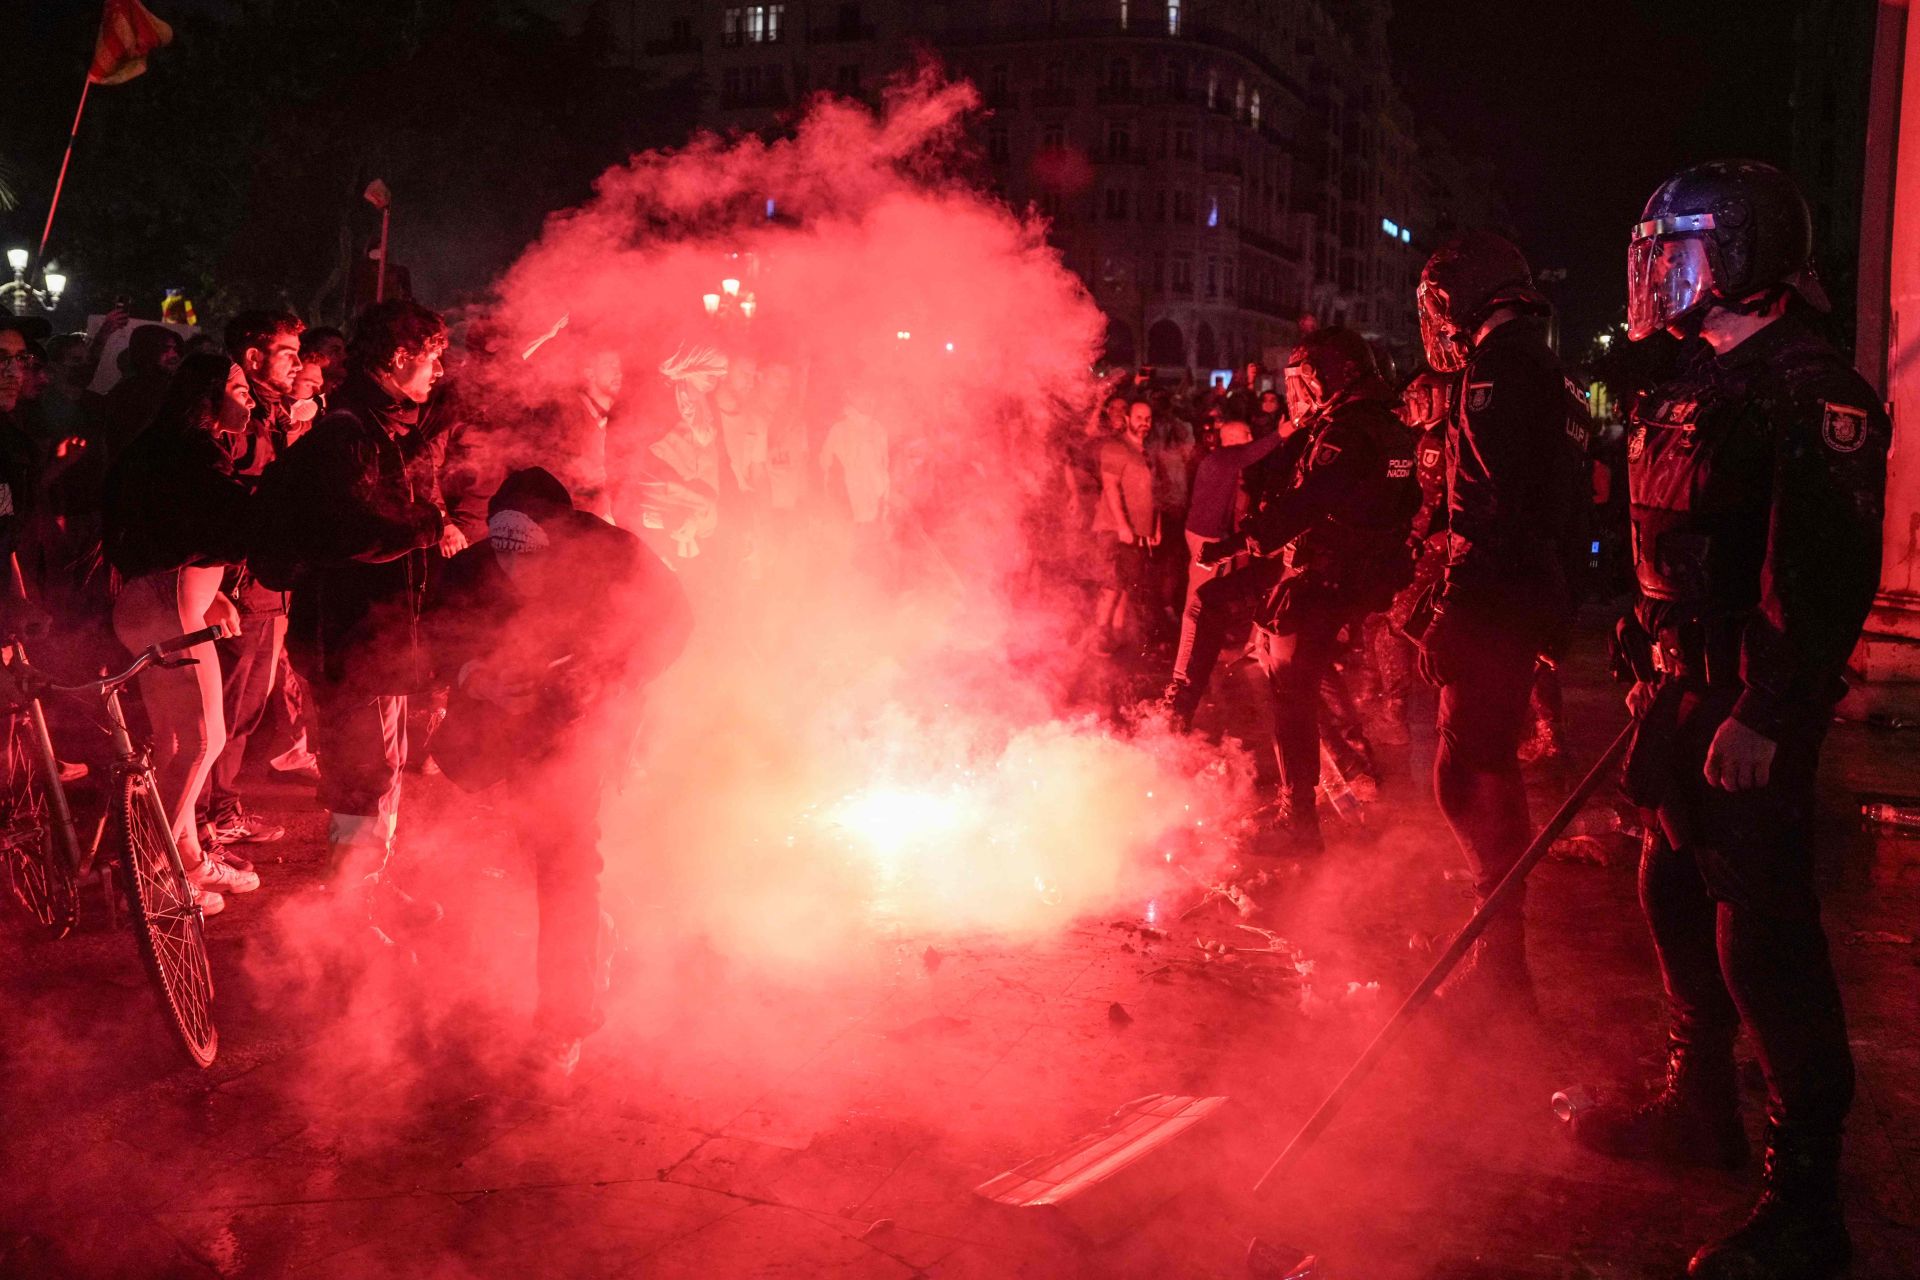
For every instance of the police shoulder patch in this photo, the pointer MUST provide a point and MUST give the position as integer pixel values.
(1324, 451)
(1843, 427)
(1430, 456)
(1479, 395)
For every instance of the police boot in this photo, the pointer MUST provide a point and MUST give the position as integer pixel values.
(1797, 1231)
(1693, 1120)
(1295, 832)
(1493, 981)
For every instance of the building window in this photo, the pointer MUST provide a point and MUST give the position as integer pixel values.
(732, 25)
(1116, 205)
(1253, 109)
(1119, 140)
(1177, 80)
(1239, 99)
(1213, 277)
(846, 79)
(765, 23)
(1183, 207)
(1183, 143)
(1053, 137)
(1173, 17)
(1213, 89)
(1213, 209)
(1182, 277)
(1160, 205)
(1126, 12)
(680, 32)
(1119, 74)
(1055, 77)
(998, 148)
(997, 80)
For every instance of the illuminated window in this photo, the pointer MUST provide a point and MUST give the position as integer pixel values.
(1389, 226)
(766, 23)
(1124, 7)
(1213, 90)
(731, 26)
(1119, 140)
(1240, 98)
(1213, 210)
(1253, 109)
(1406, 235)
(1116, 205)
(1173, 17)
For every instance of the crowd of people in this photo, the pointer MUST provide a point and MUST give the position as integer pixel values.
(1447, 528)
(367, 529)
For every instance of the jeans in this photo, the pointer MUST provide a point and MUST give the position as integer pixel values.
(554, 810)
(1727, 885)
(184, 704)
(361, 742)
(252, 672)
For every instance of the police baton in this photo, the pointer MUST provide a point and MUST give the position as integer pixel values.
(1508, 888)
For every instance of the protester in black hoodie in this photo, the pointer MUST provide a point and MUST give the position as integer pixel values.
(341, 523)
(174, 519)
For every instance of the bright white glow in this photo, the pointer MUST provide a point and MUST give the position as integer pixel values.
(17, 259)
(1606, 340)
(891, 822)
(902, 334)
(56, 283)
(1389, 226)
(730, 287)
(747, 306)
(949, 346)
(711, 301)
(1406, 235)
(1173, 17)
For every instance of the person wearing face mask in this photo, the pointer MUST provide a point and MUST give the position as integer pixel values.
(1339, 526)
(175, 517)
(342, 525)
(266, 346)
(546, 631)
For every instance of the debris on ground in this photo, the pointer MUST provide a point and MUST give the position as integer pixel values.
(930, 960)
(1117, 1014)
(875, 1227)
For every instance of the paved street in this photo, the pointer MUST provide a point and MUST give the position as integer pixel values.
(730, 1121)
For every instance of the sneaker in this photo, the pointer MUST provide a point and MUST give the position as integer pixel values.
(220, 877)
(224, 853)
(241, 827)
(299, 762)
(210, 903)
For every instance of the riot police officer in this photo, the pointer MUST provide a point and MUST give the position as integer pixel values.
(1757, 481)
(1501, 598)
(1340, 524)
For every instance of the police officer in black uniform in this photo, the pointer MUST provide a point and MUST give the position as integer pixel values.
(1502, 596)
(1758, 481)
(1340, 526)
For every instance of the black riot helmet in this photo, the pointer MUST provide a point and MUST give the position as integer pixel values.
(1466, 280)
(1731, 232)
(1326, 367)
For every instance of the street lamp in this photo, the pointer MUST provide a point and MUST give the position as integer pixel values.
(22, 295)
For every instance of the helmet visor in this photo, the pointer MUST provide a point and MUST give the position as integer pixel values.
(1438, 334)
(1304, 393)
(1667, 277)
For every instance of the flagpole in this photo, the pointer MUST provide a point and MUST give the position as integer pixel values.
(65, 160)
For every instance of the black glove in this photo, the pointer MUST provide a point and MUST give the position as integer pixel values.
(1443, 646)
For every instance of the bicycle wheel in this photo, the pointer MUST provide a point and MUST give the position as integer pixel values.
(166, 923)
(40, 866)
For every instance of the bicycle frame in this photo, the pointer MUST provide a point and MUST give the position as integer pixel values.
(64, 829)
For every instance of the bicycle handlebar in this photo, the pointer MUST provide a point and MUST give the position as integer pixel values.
(168, 647)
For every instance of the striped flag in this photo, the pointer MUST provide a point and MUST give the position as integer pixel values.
(128, 33)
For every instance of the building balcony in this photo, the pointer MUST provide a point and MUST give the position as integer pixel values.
(1267, 244)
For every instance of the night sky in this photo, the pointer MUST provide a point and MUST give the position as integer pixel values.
(1582, 106)
(1585, 106)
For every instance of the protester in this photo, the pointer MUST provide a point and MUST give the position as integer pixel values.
(1126, 520)
(546, 631)
(342, 524)
(266, 346)
(324, 349)
(153, 352)
(175, 518)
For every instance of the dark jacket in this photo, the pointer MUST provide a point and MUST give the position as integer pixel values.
(1758, 486)
(171, 500)
(613, 618)
(1509, 457)
(338, 521)
(1344, 516)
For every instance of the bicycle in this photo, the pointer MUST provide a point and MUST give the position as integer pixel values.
(167, 922)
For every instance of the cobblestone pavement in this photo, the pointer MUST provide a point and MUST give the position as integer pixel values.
(727, 1122)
